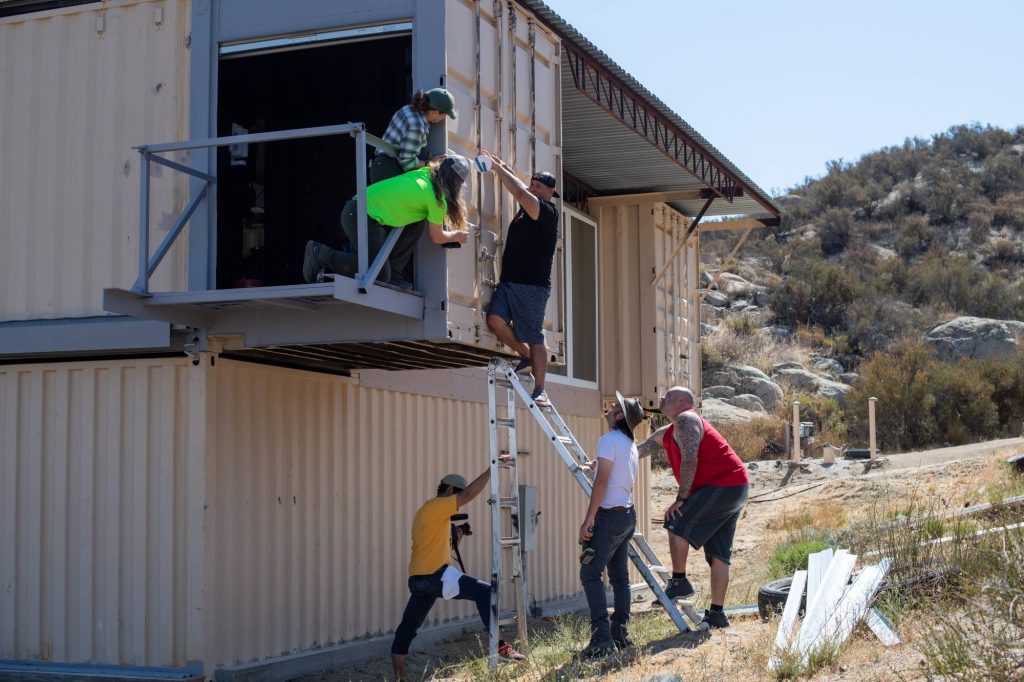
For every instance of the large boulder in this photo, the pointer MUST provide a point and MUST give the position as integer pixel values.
(743, 371)
(828, 365)
(809, 383)
(762, 297)
(719, 392)
(716, 299)
(766, 390)
(721, 412)
(975, 337)
(747, 401)
(734, 285)
(789, 364)
(779, 334)
(798, 379)
(848, 377)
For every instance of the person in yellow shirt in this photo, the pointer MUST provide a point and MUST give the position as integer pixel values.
(431, 574)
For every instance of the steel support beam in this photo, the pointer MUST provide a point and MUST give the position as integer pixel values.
(607, 91)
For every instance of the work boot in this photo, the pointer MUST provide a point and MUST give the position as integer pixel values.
(620, 636)
(598, 648)
(716, 619)
(311, 262)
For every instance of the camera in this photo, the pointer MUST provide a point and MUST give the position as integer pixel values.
(464, 527)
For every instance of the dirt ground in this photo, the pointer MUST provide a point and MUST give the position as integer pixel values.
(783, 497)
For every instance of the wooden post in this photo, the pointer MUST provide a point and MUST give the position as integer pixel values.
(796, 430)
(871, 427)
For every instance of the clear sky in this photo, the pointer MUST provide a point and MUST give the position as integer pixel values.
(783, 86)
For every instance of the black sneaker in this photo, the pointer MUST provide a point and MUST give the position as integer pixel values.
(679, 588)
(620, 636)
(310, 262)
(598, 649)
(716, 619)
(525, 366)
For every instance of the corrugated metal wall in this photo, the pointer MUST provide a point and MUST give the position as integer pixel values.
(100, 480)
(314, 481)
(648, 326)
(515, 64)
(80, 87)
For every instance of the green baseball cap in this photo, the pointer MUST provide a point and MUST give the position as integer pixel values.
(441, 100)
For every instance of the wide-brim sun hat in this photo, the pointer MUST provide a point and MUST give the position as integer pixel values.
(632, 410)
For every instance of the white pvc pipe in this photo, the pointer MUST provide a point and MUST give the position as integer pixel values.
(796, 431)
(871, 427)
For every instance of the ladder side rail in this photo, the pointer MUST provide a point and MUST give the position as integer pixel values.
(652, 582)
(495, 503)
(518, 562)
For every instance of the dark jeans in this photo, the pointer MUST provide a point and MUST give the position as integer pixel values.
(347, 264)
(424, 591)
(613, 529)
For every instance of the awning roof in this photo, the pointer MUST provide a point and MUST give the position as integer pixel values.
(611, 147)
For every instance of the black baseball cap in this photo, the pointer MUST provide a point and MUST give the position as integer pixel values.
(547, 179)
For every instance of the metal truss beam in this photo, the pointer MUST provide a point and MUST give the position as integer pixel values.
(615, 97)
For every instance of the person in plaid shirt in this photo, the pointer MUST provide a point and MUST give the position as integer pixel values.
(408, 132)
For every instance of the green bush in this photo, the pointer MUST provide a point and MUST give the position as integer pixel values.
(791, 556)
(816, 295)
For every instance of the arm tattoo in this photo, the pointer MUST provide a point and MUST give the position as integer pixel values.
(653, 444)
(688, 434)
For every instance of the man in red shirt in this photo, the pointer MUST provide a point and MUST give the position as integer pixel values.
(713, 486)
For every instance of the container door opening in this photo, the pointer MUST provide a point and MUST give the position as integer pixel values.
(273, 197)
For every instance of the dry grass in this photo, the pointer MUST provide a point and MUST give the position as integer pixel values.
(756, 439)
(741, 342)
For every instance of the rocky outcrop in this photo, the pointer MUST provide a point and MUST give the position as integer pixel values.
(786, 365)
(975, 337)
(765, 390)
(716, 299)
(721, 412)
(828, 365)
(719, 392)
(747, 401)
(802, 381)
(848, 377)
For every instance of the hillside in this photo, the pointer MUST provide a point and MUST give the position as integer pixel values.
(868, 259)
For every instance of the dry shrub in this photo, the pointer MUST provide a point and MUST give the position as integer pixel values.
(740, 342)
(759, 438)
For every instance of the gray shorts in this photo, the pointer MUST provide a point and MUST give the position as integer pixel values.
(708, 519)
(523, 306)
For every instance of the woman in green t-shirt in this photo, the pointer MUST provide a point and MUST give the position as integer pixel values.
(432, 194)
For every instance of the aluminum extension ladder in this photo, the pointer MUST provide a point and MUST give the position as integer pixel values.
(501, 374)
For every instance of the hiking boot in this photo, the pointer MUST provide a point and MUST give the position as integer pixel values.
(676, 588)
(310, 262)
(620, 636)
(716, 619)
(598, 648)
(508, 654)
(540, 397)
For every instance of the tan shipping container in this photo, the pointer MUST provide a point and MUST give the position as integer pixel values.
(504, 70)
(81, 86)
(650, 333)
(158, 512)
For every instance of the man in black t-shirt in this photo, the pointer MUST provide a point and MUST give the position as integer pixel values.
(516, 312)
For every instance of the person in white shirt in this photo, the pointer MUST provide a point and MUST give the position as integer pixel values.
(608, 527)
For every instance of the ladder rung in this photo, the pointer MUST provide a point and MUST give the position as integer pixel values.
(504, 383)
(511, 502)
(564, 439)
(509, 542)
(507, 423)
(660, 569)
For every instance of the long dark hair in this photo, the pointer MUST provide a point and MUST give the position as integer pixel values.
(448, 186)
(420, 103)
(621, 425)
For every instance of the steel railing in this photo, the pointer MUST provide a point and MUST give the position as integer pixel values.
(150, 154)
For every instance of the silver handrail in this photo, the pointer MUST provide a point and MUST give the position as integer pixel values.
(367, 273)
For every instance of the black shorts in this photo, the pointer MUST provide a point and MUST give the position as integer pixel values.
(708, 519)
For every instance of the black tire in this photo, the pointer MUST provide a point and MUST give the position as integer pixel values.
(772, 596)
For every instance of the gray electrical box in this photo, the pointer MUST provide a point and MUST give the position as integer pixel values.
(528, 517)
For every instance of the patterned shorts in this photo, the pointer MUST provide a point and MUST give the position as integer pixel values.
(523, 306)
